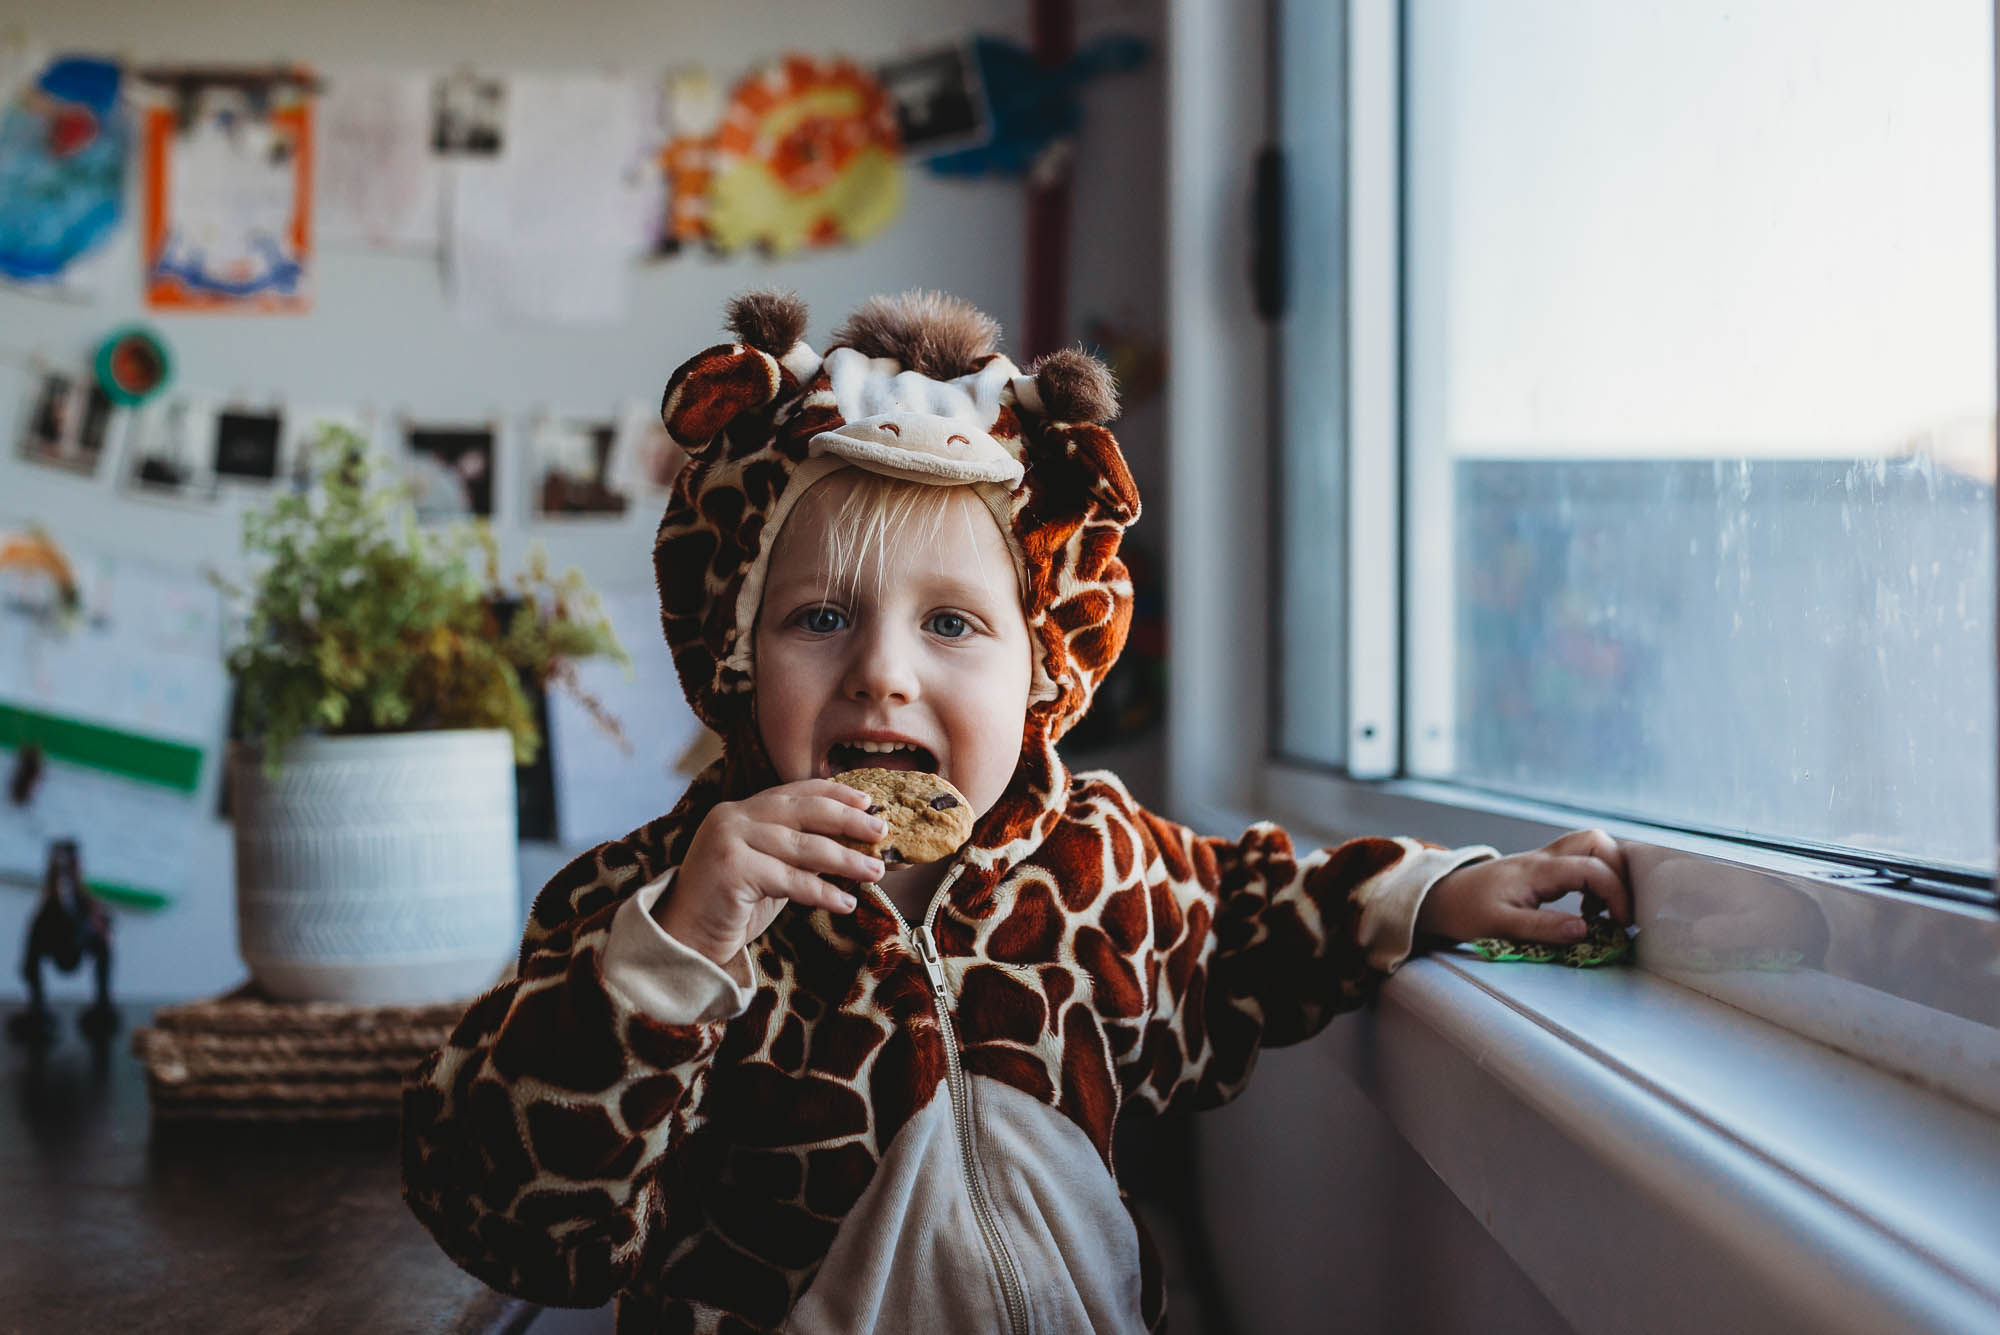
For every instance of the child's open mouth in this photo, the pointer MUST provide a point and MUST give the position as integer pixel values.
(844, 756)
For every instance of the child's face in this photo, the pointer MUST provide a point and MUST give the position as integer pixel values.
(926, 645)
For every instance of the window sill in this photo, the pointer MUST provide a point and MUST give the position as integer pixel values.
(1656, 1160)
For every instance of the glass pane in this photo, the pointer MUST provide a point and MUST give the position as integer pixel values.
(1311, 621)
(1700, 394)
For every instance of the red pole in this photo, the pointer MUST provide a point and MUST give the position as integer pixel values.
(1054, 26)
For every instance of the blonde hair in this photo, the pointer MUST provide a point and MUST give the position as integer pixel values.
(884, 517)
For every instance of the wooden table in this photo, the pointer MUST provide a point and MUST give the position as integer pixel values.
(107, 1225)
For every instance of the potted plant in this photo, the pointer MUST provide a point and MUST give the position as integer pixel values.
(382, 678)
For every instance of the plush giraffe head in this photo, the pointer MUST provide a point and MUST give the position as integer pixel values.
(914, 387)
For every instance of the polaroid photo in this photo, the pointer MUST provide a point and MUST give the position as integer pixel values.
(569, 470)
(450, 470)
(70, 420)
(940, 104)
(172, 450)
(468, 115)
(246, 445)
(644, 459)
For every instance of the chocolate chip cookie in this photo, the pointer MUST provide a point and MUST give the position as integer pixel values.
(928, 819)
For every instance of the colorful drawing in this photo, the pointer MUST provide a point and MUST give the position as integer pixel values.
(228, 198)
(687, 159)
(1034, 110)
(807, 156)
(62, 170)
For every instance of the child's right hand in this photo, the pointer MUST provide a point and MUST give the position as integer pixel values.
(747, 858)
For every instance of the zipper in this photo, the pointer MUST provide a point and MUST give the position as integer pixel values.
(925, 945)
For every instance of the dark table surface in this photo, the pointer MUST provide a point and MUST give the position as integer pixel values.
(109, 1225)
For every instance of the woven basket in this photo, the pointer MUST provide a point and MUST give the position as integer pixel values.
(245, 1057)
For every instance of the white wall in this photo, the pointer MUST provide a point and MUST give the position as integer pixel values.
(383, 334)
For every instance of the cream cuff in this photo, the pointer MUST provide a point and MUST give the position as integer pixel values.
(667, 980)
(1390, 900)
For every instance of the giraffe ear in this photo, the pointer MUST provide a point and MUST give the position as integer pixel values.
(769, 321)
(1075, 387)
(713, 388)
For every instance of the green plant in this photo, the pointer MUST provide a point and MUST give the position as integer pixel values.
(358, 621)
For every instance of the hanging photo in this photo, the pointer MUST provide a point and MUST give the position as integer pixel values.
(228, 211)
(63, 145)
(450, 470)
(246, 445)
(569, 462)
(69, 420)
(939, 103)
(644, 459)
(172, 451)
(468, 115)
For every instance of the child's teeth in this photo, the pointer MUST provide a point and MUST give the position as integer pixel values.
(879, 747)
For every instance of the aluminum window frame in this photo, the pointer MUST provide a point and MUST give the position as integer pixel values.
(1883, 981)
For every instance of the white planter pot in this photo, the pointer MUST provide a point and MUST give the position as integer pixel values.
(377, 870)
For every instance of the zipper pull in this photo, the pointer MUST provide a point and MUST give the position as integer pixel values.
(927, 952)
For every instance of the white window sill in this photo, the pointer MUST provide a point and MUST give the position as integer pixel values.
(1655, 1160)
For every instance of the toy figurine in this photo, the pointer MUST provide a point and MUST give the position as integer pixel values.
(69, 925)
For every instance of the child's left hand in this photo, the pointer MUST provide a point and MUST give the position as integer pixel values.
(1502, 897)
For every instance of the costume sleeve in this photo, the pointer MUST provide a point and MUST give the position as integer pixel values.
(539, 1143)
(1254, 945)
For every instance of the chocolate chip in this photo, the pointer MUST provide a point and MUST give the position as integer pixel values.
(892, 855)
(943, 802)
(874, 808)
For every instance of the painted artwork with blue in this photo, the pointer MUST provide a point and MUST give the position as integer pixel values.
(63, 144)
(1033, 108)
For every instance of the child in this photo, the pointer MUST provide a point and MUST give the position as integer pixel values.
(749, 1078)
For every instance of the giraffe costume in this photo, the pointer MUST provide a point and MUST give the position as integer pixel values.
(864, 1123)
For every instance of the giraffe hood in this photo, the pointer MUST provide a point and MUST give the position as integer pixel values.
(858, 1122)
(913, 387)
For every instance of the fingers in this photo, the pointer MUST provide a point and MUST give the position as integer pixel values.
(1594, 846)
(1558, 875)
(823, 815)
(815, 854)
(780, 879)
(1542, 925)
(839, 792)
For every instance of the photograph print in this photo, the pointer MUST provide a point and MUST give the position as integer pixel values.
(569, 463)
(939, 103)
(450, 470)
(468, 113)
(172, 454)
(69, 421)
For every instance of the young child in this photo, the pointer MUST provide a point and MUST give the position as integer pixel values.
(748, 1078)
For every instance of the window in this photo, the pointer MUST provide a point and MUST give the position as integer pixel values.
(1695, 309)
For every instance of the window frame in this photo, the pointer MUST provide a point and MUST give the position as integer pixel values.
(1220, 570)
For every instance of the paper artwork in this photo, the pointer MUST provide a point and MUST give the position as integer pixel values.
(63, 144)
(807, 156)
(545, 231)
(379, 184)
(228, 198)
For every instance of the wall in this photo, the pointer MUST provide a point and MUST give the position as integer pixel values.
(383, 334)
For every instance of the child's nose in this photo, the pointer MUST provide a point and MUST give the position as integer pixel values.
(882, 669)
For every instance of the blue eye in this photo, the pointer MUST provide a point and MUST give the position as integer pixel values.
(820, 620)
(950, 625)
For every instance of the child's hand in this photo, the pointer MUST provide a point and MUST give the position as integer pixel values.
(749, 857)
(1501, 897)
